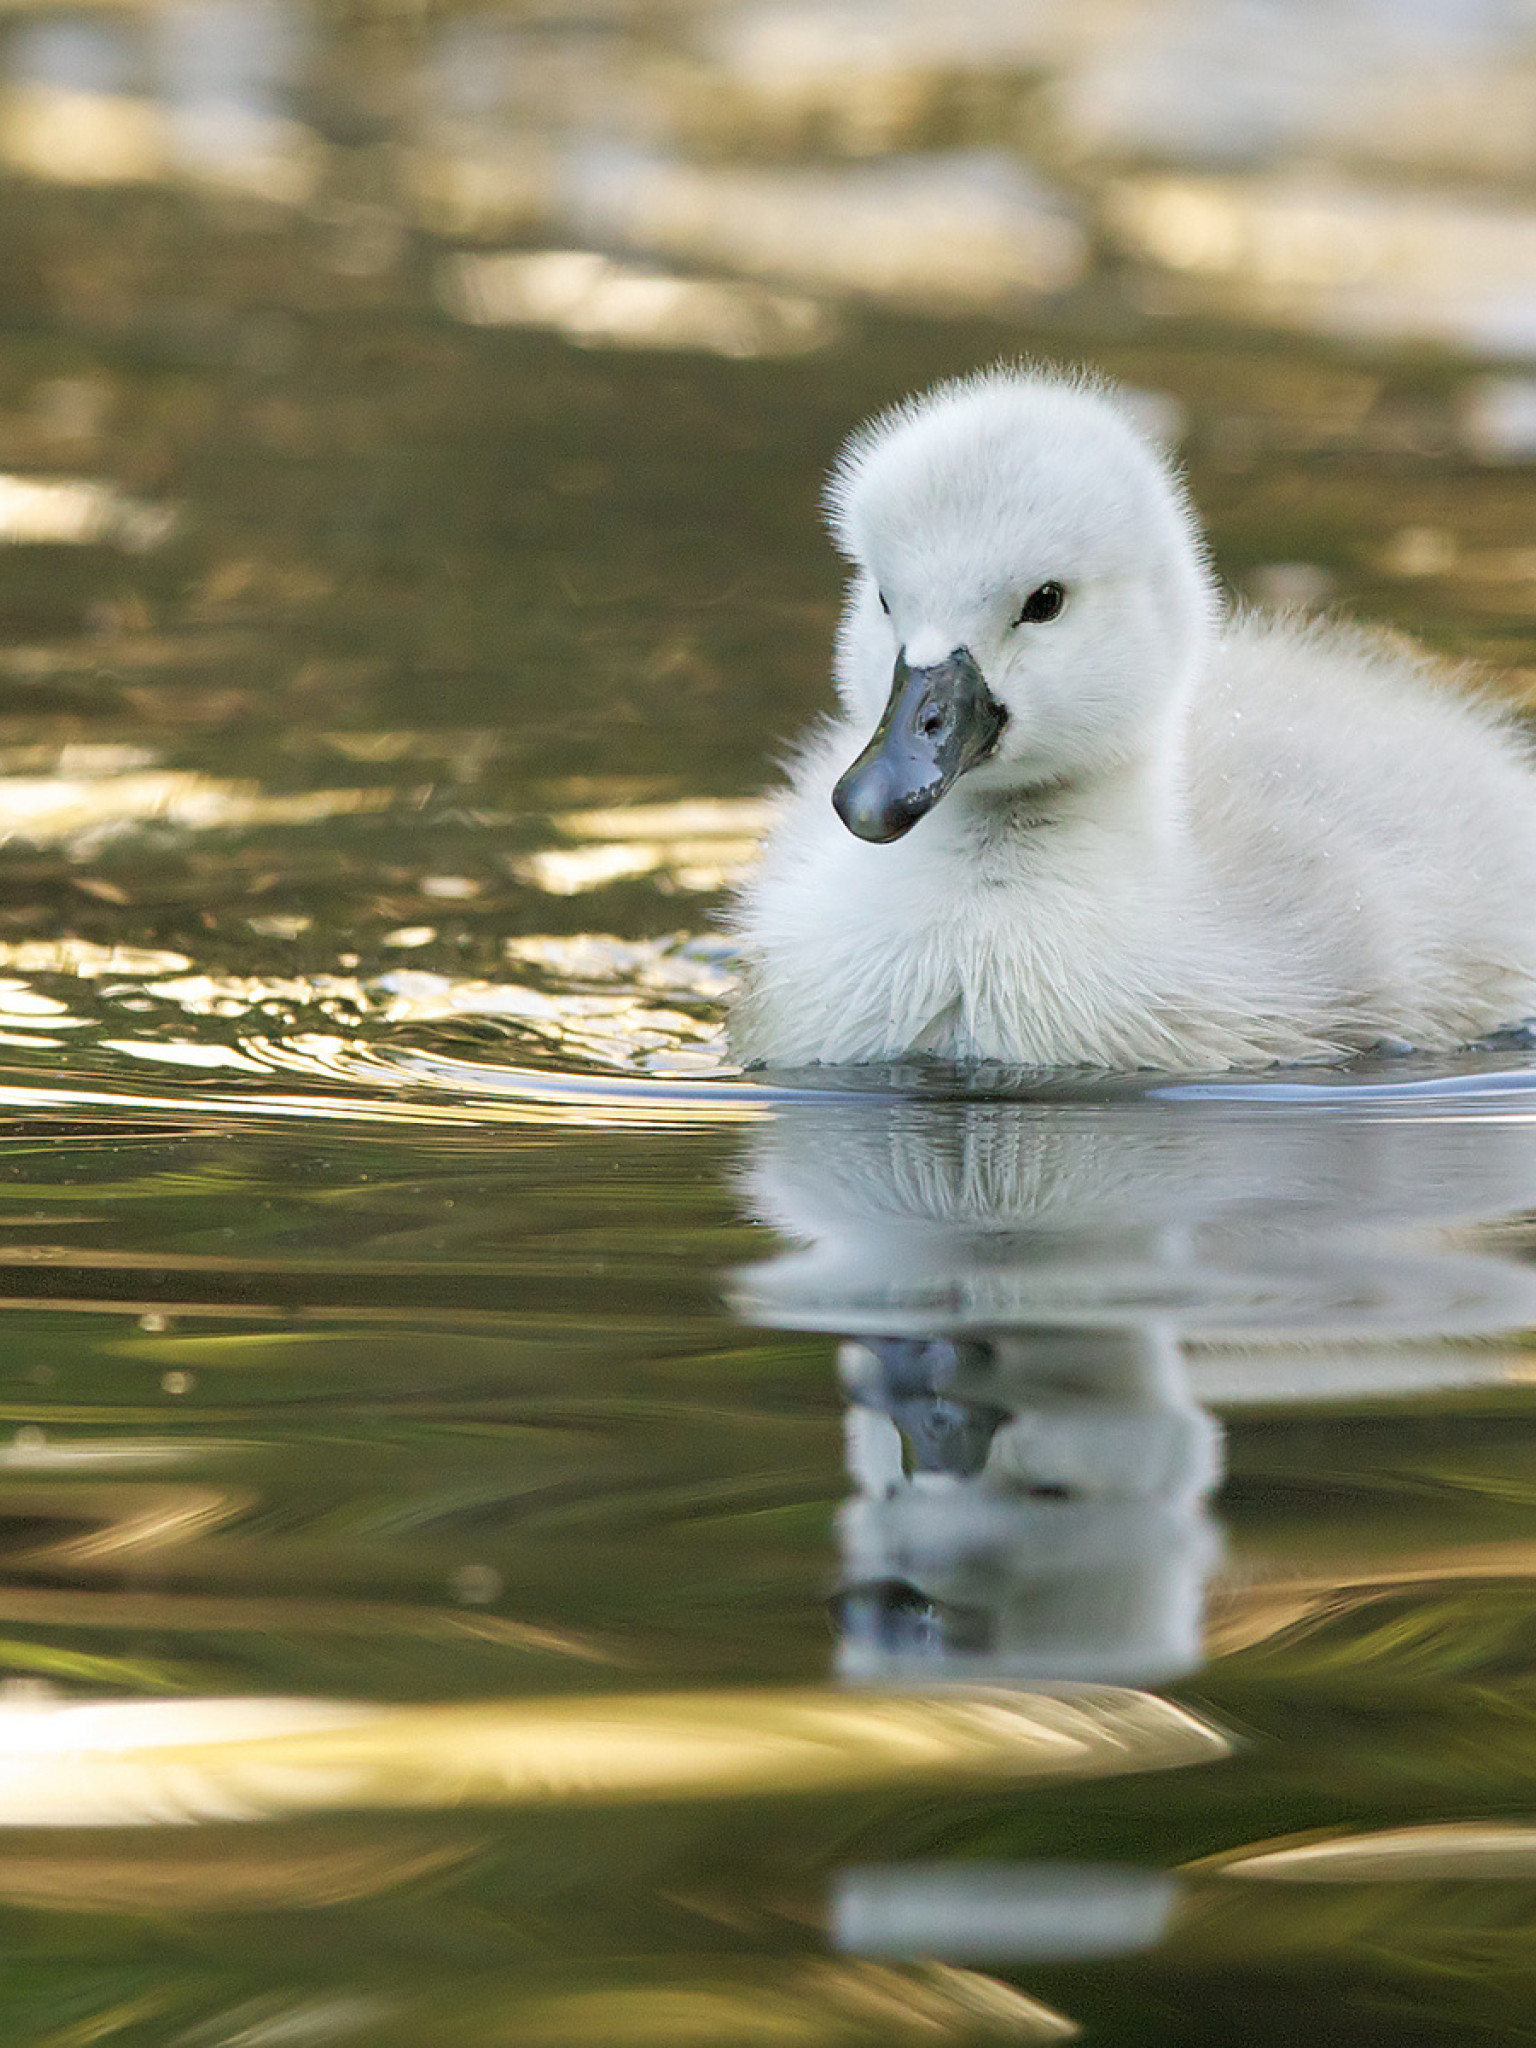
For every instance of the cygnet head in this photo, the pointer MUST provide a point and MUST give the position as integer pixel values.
(1031, 603)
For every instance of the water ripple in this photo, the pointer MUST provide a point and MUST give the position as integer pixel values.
(584, 1028)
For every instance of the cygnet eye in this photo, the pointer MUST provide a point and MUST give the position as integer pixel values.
(1042, 605)
(883, 605)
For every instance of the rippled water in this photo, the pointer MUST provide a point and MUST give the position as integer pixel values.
(849, 1569)
(514, 1531)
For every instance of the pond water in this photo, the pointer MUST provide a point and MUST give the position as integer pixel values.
(515, 1532)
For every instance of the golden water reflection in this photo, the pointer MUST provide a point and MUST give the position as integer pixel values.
(796, 2005)
(1450, 1849)
(159, 1762)
(596, 301)
(217, 1869)
(54, 810)
(816, 2005)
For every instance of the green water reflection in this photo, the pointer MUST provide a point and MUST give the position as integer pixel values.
(436, 1418)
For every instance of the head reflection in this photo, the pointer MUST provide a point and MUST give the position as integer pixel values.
(1030, 1506)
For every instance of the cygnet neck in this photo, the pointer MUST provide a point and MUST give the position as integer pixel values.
(1136, 798)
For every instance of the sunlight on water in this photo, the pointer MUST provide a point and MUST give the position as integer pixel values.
(697, 846)
(54, 811)
(601, 1007)
(152, 1763)
(599, 302)
(74, 512)
(1398, 1855)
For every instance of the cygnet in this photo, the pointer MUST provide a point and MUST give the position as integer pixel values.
(1073, 813)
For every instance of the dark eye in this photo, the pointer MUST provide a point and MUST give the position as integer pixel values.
(883, 605)
(1042, 604)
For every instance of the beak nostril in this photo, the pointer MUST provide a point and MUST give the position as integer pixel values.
(932, 722)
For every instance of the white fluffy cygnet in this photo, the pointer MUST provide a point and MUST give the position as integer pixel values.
(1099, 823)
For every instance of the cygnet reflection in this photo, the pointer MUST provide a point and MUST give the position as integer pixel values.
(1037, 1299)
(1035, 1303)
(1218, 1224)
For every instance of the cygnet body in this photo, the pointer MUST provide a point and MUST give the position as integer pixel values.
(1100, 823)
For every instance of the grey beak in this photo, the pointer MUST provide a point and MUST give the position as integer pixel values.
(939, 722)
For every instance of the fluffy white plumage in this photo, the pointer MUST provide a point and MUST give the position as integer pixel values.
(1199, 842)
